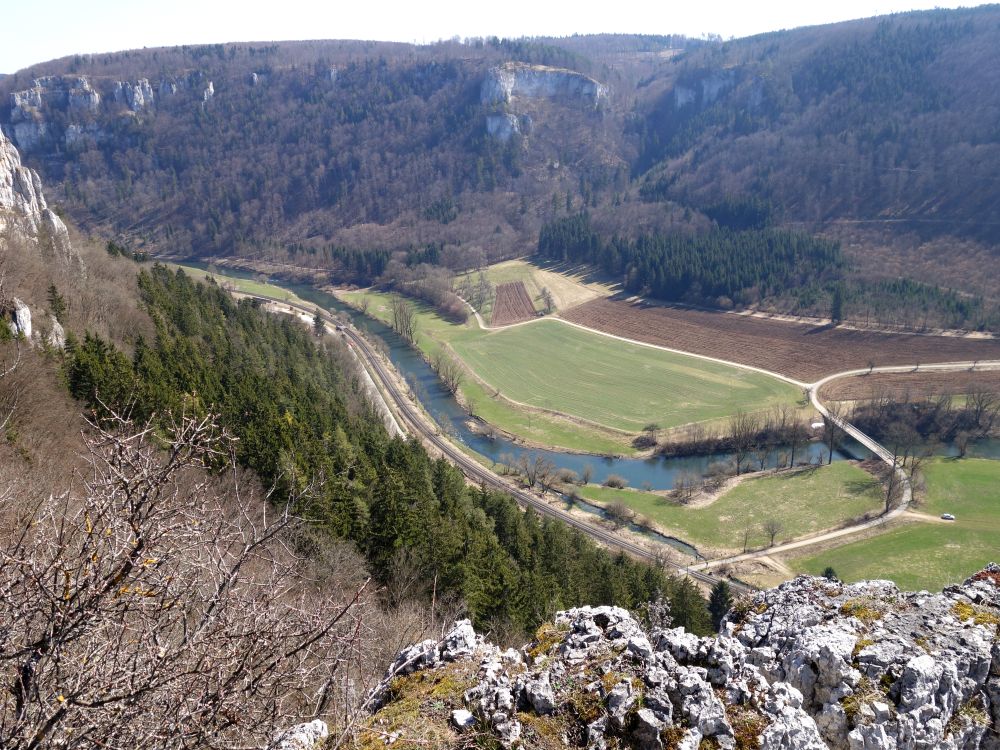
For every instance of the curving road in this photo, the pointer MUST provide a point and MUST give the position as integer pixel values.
(876, 448)
(415, 425)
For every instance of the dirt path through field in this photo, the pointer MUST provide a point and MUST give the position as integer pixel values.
(799, 352)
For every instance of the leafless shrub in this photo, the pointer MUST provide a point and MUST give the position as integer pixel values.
(146, 609)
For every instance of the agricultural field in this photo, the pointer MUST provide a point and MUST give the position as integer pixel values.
(928, 553)
(796, 350)
(512, 304)
(915, 385)
(556, 367)
(568, 285)
(805, 501)
(557, 385)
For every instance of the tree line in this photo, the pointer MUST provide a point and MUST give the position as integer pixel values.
(722, 266)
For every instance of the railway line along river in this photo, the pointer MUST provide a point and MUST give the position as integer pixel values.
(656, 473)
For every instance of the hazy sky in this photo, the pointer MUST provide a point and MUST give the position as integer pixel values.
(31, 33)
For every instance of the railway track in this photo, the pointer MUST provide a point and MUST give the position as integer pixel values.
(480, 474)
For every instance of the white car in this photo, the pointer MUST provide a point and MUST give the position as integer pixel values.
(947, 517)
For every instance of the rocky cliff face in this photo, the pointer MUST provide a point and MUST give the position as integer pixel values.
(520, 80)
(22, 204)
(24, 214)
(58, 111)
(812, 664)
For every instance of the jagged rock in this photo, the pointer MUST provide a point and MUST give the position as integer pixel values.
(55, 335)
(647, 730)
(503, 127)
(540, 695)
(802, 663)
(302, 737)
(23, 209)
(136, 96)
(18, 317)
(208, 93)
(513, 79)
(463, 719)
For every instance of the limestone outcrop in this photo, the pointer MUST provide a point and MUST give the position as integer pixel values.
(812, 664)
(521, 80)
(22, 204)
(25, 216)
(136, 96)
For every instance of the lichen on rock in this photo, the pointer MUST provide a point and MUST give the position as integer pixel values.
(792, 669)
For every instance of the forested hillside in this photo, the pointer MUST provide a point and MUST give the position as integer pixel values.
(876, 133)
(303, 428)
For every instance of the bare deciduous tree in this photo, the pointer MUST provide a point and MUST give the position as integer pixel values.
(146, 609)
(743, 428)
(619, 513)
(404, 318)
(773, 527)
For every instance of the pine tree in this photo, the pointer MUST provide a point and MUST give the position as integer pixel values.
(318, 327)
(57, 304)
(719, 602)
(837, 304)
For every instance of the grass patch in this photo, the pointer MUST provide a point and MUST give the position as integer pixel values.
(866, 610)
(866, 693)
(804, 502)
(929, 555)
(622, 386)
(246, 286)
(419, 709)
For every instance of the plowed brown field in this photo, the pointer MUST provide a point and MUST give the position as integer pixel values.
(512, 304)
(913, 385)
(804, 352)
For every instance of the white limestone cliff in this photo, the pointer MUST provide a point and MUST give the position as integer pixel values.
(25, 216)
(520, 80)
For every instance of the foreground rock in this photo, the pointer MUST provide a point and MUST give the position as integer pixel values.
(811, 664)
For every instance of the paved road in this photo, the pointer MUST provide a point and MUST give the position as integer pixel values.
(415, 425)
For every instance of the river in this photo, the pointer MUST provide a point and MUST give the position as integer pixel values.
(641, 473)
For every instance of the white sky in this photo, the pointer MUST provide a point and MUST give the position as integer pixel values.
(34, 32)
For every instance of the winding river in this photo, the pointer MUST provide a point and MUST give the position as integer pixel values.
(652, 473)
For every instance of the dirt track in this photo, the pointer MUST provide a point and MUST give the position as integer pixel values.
(799, 351)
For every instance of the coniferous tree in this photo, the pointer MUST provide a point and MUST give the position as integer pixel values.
(719, 602)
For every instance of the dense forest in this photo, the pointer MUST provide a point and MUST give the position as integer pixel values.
(332, 156)
(758, 267)
(303, 428)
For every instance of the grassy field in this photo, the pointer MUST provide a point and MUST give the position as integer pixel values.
(605, 390)
(568, 286)
(804, 502)
(929, 555)
(624, 386)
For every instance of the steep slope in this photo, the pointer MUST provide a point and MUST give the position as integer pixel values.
(880, 131)
(28, 225)
(813, 664)
(877, 132)
(213, 149)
